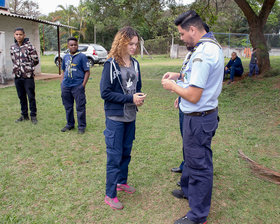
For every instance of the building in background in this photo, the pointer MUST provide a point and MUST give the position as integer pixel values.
(8, 23)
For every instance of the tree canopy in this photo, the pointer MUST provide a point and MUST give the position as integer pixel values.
(24, 7)
(99, 20)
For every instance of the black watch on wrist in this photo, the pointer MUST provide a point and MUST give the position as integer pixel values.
(180, 76)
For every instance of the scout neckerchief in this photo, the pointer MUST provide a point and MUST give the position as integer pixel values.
(70, 64)
(208, 37)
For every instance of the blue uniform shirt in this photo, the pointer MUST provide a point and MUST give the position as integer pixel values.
(74, 67)
(205, 70)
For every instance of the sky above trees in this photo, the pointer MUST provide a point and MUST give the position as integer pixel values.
(47, 6)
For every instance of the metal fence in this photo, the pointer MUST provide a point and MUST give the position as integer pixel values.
(242, 40)
(230, 42)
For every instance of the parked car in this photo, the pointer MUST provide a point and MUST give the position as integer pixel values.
(95, 53)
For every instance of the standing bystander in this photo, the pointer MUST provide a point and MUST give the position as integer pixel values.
(24, 58)
(181, 119)
(253, 66)
(76, 72)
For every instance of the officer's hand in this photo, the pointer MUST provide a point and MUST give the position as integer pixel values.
(168, 84)
(171, 75)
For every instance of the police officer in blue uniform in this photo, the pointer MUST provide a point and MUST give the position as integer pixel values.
(199, 84)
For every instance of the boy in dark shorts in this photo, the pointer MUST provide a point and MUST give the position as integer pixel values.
(24, 58)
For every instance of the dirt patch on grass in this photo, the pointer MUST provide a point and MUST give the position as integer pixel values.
(42, 76)
(277, 85)
(7, 83)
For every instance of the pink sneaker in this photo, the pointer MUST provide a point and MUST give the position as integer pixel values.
(114, 203)
(126, 188)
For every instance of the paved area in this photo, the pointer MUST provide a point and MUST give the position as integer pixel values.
(45, 76)
(42, 76)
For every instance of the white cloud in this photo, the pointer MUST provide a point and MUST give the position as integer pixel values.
(185, 1)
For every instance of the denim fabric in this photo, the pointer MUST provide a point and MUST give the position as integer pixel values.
(68, 95)
(181, 120)
(233, 71)
(197, 175)
(26, 87)
(253, 67)
(119, 137)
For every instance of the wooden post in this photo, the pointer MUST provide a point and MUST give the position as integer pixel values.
(172, 41)
(94, 33)
(142, 47)
(58, 47)
(43, 38)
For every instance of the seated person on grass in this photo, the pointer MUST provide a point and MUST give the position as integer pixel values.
(234, 67)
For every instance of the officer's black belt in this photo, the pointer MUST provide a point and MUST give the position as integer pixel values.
(203, 113)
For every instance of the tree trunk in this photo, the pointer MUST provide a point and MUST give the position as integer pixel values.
(81, 24)
(256, 24)
(258, 41)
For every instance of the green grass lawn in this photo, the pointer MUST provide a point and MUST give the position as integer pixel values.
(47, 176)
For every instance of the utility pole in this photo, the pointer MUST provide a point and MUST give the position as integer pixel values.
(43, 38)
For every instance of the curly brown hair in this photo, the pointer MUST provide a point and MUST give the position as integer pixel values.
(120, 43)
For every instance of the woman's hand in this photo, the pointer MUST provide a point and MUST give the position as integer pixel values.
(138, 99)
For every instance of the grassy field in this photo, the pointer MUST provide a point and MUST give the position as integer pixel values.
(47, 176)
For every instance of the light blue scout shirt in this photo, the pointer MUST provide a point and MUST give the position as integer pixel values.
(74, 67)
(205, 70)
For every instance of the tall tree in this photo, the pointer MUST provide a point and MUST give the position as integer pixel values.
(256, 15)
(257, 23)
(80, 14)
(24, 7)
(109, 15)
(67, 14)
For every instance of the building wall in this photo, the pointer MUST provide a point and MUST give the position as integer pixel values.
(7, 25)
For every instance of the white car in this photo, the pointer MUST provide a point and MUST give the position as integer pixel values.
(95, 53)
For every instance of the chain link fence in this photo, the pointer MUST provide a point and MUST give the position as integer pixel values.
(238, 42)
(242, 40)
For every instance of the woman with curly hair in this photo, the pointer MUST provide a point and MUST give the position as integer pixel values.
(120, 88)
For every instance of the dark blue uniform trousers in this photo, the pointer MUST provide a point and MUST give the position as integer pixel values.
(68, 95)
(181, 120)
(26, 86)
(197, 176)
(233, 71)
(253, 67)
(119, 137)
